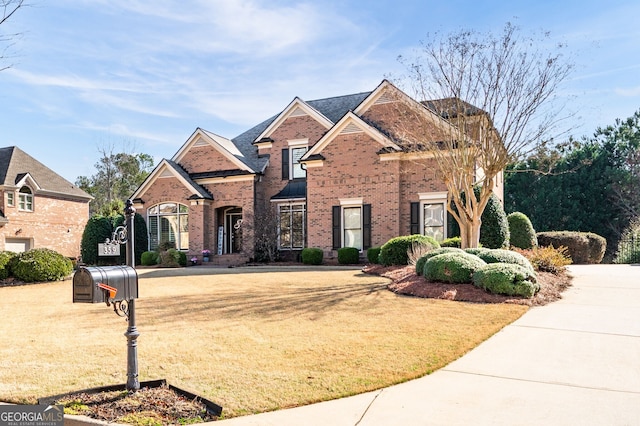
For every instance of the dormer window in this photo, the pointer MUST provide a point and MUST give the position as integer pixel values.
(25, 199)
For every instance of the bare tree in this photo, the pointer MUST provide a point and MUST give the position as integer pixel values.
(497, 94)
(7, 9)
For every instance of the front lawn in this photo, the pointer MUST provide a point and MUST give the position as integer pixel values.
(250, 339)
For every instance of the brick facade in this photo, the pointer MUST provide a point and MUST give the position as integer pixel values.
(353, 161)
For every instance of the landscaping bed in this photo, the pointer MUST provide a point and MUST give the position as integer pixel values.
(406, 281)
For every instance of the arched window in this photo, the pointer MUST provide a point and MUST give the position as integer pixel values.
(168, 222)
(25, 199)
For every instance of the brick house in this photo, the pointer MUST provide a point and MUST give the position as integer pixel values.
(39, 208)
(327, 173)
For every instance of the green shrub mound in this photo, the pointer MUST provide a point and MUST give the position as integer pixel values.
(41, 265)
(6, 258)
(506, 278)
(348, 256)
(420, 262)
(451, 242)
(170, 258)
(311, 256)
(583, 247)
(505, 256)
(149, 258)
(395, 251)
(373, 255)
(452, 267)
(521, 232)
(476, 250)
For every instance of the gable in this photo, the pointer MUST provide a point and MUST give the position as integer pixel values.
(350, 124)
(297, 108)
(205, 152)
(169, 170)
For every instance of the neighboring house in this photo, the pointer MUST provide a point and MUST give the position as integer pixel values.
(327, 173)
(39, 208)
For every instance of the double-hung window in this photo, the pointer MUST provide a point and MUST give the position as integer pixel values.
(11, 200)
(25, 199)
(291, 226)
(351, 223)
(291, 167)
(429, 216)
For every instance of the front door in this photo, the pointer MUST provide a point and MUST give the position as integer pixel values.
(233, 231)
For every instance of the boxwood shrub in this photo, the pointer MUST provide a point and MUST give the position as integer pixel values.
(476, 250)
(452, 267)
(311, 256)
(420, 262)
(149, 258)
(451, 242)
(395, 251)
(521, 232)
(5, 263)
(41, 265)
(505, 256)
(584, 247)
(506, 278)
(373, 255)
(348, 255)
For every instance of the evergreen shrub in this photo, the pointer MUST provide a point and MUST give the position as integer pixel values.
(452, 267)
(505, 256)
(494, 230)
(583, 247)
(5, 263)
(451, 242)
(149, 258)
(348, 256)
(373, 255)
(521, 232)
(506, 278)
(395, 251)
(311, 256)
(420, 263)
(41, 264)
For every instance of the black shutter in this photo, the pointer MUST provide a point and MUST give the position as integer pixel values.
(336, 225)
(366, 226)
(285, 164)
(415, 218)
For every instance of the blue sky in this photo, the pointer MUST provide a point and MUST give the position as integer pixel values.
(142, 75)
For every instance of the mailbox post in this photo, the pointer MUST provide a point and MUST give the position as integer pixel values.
(117, 285)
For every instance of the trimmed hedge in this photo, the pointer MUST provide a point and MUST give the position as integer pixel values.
(311, 256)
(452, 267)
(348, 255)
(420, 262)
(506, 278)
(522, 234)
(373, 255)
(6, 258)
(395, 251)
(505, 256)
(451, 242)
(476, 250)
(41, 265)
(149, 258)
(583, 247)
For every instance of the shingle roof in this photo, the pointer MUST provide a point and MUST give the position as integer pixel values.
(203, 193)
(15, 164)
(332, 108)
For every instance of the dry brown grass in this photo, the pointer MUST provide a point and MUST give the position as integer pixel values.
(250, 339)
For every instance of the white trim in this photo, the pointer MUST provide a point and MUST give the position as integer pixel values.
(298, 143)
(351, 202)
(433, 196)
(201, 202)
(289, 111)
(313, 163)
(289, 201)
(225, 179)
(263, 145)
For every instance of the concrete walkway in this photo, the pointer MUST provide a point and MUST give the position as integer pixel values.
(573, 362)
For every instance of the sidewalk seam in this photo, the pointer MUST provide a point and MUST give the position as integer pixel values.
(576, 331)
(368, 406)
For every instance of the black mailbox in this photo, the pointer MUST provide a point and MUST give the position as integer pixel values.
(105, 284)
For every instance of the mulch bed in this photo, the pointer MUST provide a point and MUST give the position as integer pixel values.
(148, 406)
(405, 281)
